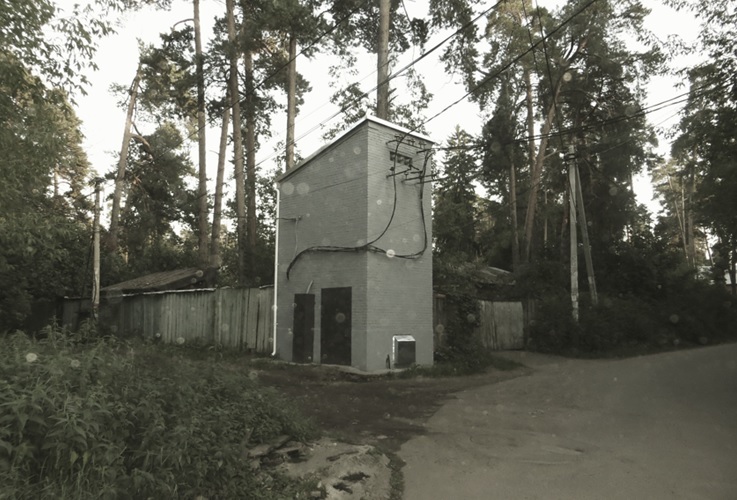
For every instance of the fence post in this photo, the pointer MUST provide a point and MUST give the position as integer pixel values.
(217, 319)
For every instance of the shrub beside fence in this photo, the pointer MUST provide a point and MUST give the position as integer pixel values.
(500, 323)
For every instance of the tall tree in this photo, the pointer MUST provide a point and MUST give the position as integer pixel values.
(45, 224)
(356, 30)
(454, 221)
(574, 79)
(237, 141)
(215, 246)
(705, 143)
(174, 88)
(297, 20)
(503, 156)
(158, 197)
(202, 208)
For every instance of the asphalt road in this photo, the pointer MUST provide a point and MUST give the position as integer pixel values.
(652, 427)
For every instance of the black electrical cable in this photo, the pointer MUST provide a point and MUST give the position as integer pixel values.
(679, 99)
(394, 75)
(369, 245)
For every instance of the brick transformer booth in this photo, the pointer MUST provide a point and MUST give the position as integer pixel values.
(354, 259)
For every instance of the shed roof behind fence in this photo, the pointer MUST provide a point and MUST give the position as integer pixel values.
(178, 279)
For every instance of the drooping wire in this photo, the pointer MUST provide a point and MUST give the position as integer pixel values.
(505, 67)
(370, 246)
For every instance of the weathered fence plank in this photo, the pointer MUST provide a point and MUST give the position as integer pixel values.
(501, 324)
(242, 318)
(233, 318)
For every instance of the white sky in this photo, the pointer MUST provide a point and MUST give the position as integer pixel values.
(117, 59)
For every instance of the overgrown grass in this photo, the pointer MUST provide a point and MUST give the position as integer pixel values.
(83, 418)
(454, 362)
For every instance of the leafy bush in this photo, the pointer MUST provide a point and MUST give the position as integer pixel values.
(698, 314)
(118, 420)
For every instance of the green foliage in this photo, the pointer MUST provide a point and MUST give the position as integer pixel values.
(469, 359)
(158, 198)
(31, 31)
(695, 314)
(454, 207)
(461, 353)
(649, 298)
(114, 420)
(44, 221)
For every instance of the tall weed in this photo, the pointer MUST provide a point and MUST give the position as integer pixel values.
(107, 419)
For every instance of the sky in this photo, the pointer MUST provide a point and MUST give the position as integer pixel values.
(117, 57)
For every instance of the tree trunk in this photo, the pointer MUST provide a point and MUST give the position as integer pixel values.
(690, 231)
(201, 142)
(122, 161)
(513, 214)
(240, 206)
(733, 271)
(536, 173)
(530, 117)
(382, 83)
(585, 236)
(250, 160)
(291, 101)
(215, 259)
(679, 216)
(529, 101)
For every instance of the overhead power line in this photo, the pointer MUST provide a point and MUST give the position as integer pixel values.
(395, 74)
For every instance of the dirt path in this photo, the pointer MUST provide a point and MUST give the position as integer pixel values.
(373, 410)
(659, 426)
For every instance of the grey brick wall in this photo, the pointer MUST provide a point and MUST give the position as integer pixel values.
(399, 290)
(341, 196)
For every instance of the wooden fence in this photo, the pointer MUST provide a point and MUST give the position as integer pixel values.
(500, 324)
(242, 318)
(237, 318)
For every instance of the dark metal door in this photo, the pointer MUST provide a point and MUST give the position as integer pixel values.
(335, 330)
(303, 329)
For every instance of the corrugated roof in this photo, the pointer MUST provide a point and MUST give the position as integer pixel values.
(494, 276)
(166, 280)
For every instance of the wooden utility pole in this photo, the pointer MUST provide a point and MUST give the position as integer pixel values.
(585, 235)
(96, 252)
(122, 161)
(382, 80)
(574, 237)
(291, 100)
